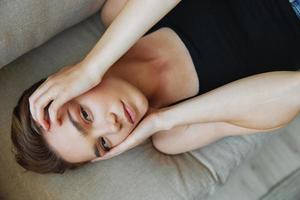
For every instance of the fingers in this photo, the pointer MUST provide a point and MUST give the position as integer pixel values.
(39, 108)
(41, 98)
(54, 108)
(126, 145)
(38, 105)
(143, 131)
(35, 96)
(59, 88)
(112, 153)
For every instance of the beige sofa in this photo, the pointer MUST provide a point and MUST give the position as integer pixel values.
(39, 37)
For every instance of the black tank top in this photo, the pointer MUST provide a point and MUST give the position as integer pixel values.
(232, 39)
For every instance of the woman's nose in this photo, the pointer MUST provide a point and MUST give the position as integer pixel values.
(113, 122)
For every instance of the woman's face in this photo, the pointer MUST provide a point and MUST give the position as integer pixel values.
(95, 120)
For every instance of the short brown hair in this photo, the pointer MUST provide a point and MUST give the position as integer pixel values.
(30, 147)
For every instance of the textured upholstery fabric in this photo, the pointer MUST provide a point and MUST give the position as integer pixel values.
(141, 173)
(26, 24)
(287, 189)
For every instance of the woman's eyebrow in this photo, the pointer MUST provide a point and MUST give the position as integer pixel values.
(78, 127)
(83, 131)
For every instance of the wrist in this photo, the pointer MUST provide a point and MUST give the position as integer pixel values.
(166, 119)
(94, 70)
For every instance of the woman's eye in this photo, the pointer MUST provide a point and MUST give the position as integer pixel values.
(104, 144)
(85, 115)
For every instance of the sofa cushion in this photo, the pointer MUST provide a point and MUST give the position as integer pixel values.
(26, 24)
(288, 188)
(140, 173)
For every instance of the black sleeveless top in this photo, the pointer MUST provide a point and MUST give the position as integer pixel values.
(232, 39)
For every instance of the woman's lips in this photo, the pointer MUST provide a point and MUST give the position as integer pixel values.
(129, 113)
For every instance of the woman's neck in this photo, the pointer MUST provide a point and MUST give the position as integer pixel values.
(147, 76)
(151, 66)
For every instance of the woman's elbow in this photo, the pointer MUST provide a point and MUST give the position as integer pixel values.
(162, 145)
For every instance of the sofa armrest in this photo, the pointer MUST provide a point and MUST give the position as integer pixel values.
(26, 24)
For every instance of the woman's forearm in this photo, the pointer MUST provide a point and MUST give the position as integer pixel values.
(134, 20)
(261, 101)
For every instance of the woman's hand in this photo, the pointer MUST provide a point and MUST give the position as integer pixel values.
(73, 81)
(60, 87)
(151, 124)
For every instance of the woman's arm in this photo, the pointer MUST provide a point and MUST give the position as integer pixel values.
(134, 20)
(131, 23)
(194, 136)
(263, 101)
(257, 103)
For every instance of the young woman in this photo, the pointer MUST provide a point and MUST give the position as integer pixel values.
(219, 67)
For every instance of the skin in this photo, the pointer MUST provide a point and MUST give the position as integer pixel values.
(150, 75)
(146, 77)
(149, 81)
(100, 112)
(143, 78)
(187, 136)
